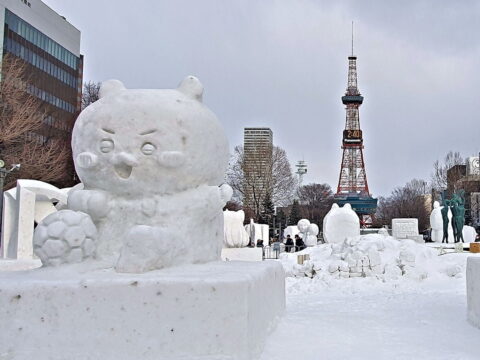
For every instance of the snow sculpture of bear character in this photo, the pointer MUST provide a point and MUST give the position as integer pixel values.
(150, 162)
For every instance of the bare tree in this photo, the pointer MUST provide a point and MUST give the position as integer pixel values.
(282, 181)
(261, 176)
(408, 201)
(20, 112)
(91, 93)
(440, 169)
(315, 202)
(45, 162)
(24, 136)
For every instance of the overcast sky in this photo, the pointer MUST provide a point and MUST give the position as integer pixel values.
(283, 64)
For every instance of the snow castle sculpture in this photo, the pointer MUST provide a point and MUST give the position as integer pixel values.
(29, 202)
(145, 158)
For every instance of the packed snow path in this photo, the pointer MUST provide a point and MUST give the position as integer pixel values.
(363, 318)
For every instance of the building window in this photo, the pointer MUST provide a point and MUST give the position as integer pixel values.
(39, 39)
(44, 65)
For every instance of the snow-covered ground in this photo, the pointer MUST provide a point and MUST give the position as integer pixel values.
(419, 317)
(418, 311)
(19, 265)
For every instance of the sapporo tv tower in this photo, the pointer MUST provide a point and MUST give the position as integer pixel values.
(352, 183)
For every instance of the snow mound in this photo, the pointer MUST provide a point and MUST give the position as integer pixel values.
(373, 255)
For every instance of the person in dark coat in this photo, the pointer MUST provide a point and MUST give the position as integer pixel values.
(289, 244)
(299, 244)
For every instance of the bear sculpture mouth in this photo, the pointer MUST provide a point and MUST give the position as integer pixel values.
(123, 170)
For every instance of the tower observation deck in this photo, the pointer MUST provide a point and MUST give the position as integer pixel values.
(352, 183)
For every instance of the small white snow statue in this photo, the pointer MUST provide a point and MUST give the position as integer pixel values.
(383, 231)
(308, 232)
(291, 230)
(469, 234)
(340, 223)
(235, 235)
(150, 162)
(436, 222)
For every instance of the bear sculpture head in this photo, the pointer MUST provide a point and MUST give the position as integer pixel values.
(138, 142)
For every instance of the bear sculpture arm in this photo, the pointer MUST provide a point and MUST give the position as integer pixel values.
(92, 202)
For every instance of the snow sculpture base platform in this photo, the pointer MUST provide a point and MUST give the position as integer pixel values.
(209, 311)
(242, 254)
(473, 290)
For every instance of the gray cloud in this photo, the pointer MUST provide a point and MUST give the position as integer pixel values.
(283, 64)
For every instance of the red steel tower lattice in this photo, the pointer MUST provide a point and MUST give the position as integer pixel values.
(353, 178)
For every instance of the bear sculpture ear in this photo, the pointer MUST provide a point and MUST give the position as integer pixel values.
(191, 87)
(110, 87)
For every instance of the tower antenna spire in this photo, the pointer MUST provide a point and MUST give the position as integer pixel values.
(352, 37)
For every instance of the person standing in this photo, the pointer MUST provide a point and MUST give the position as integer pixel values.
(299, 244)
(289, 244)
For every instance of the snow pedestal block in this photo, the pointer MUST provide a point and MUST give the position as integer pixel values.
(473, 290)
(242, 254)
(209, 311)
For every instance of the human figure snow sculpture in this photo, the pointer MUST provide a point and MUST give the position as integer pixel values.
(340, 223)
(150, 162)
(235, 235)
(436, 222)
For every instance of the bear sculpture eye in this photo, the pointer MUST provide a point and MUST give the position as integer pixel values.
(148, 148)
(106, 146)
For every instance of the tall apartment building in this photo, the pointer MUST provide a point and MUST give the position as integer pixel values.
(257, 152)
(49, 49)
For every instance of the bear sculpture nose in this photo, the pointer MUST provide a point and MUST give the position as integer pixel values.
(125, 158)
(123, 164)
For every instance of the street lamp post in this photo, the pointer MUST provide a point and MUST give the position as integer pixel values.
(3, 174)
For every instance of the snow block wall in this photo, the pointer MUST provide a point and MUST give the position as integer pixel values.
(373, 255)
(473, 291)
(208, 311)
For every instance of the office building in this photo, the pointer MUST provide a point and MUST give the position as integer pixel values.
(48, 47)
(467, 178)
(258, 149)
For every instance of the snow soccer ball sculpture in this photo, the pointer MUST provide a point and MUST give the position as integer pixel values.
(65, 237)
(151, 162)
